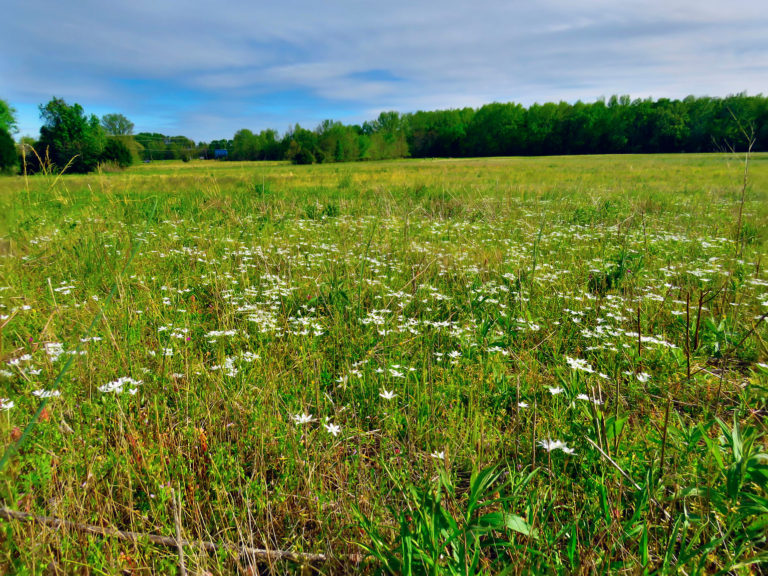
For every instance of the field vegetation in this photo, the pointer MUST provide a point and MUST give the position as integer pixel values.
(498, 365)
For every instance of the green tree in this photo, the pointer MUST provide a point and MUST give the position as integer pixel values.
(7, 117)
(387, 137)
(272, 147)
(116, 125)
(8, 156)
(302, 146)
(336, 142)
(497, 130)
(245, 145)
(438, 134)
(69, 137)
(25, 149)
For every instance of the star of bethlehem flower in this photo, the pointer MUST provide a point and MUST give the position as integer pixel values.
(438, 455)
(387, 394)
(579, 364)
(588, 399)
(550, 445)
(332, 429)
(303, 418)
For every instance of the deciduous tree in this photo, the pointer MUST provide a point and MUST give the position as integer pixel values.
(69, 137)
(8, 157)
(7, 117)
(116, 125)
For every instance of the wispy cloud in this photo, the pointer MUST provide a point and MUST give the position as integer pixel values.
(230, 63)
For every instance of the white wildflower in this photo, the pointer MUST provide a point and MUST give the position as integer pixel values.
(550, 445)
(579, 364)
(118, 385)
(47, 393)
(303, 418)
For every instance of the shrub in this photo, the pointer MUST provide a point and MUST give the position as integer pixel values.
(117, 152)
(8, 157)
(304, 156)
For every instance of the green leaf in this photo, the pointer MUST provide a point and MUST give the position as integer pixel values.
(501, 520)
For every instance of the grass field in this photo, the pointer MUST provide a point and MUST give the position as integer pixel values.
(447, 366)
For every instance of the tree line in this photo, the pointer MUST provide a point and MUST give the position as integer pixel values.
(619, 125)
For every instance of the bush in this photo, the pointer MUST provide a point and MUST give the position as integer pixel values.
(304, 156)
(8, 157)
(117, 152)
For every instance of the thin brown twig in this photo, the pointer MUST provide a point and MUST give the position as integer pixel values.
(135, 537)
(176, 499)
(627, 476)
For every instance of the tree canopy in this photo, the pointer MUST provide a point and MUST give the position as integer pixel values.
(69, 137)
(7, 117)
(8, 156)
(116, 125)
(618, 125)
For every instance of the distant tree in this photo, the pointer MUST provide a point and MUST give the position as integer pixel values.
(543, 121)
(8, 156)
(302, 146)
(273, 148)
(25, 151)
(497, 130)
(116, 125)
(69, 137)
(155, 146)
(336, 142)
(616, 125)
(7, 117)
(245, 145)
(438, 133)
(387, 137)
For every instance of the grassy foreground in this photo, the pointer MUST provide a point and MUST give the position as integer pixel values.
(447, 367)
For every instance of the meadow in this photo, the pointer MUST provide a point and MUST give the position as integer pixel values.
(504, 365)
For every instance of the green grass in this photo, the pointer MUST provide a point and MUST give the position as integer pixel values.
(488, 298)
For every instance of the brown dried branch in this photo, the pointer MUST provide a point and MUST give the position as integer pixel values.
(242, 551)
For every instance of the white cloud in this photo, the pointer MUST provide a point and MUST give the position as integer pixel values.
(208, 58)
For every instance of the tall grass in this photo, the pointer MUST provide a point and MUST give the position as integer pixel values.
(480, 366)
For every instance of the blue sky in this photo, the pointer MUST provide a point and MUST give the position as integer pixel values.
(207, 69)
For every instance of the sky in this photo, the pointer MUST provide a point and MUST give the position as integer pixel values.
(206, 69)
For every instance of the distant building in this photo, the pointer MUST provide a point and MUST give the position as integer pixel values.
(220, 153)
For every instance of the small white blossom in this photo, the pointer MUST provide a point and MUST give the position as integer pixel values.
(46, 393)
(303, 418)
(588, 399)
(118, 385)
(579, 364)
(550, 445)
